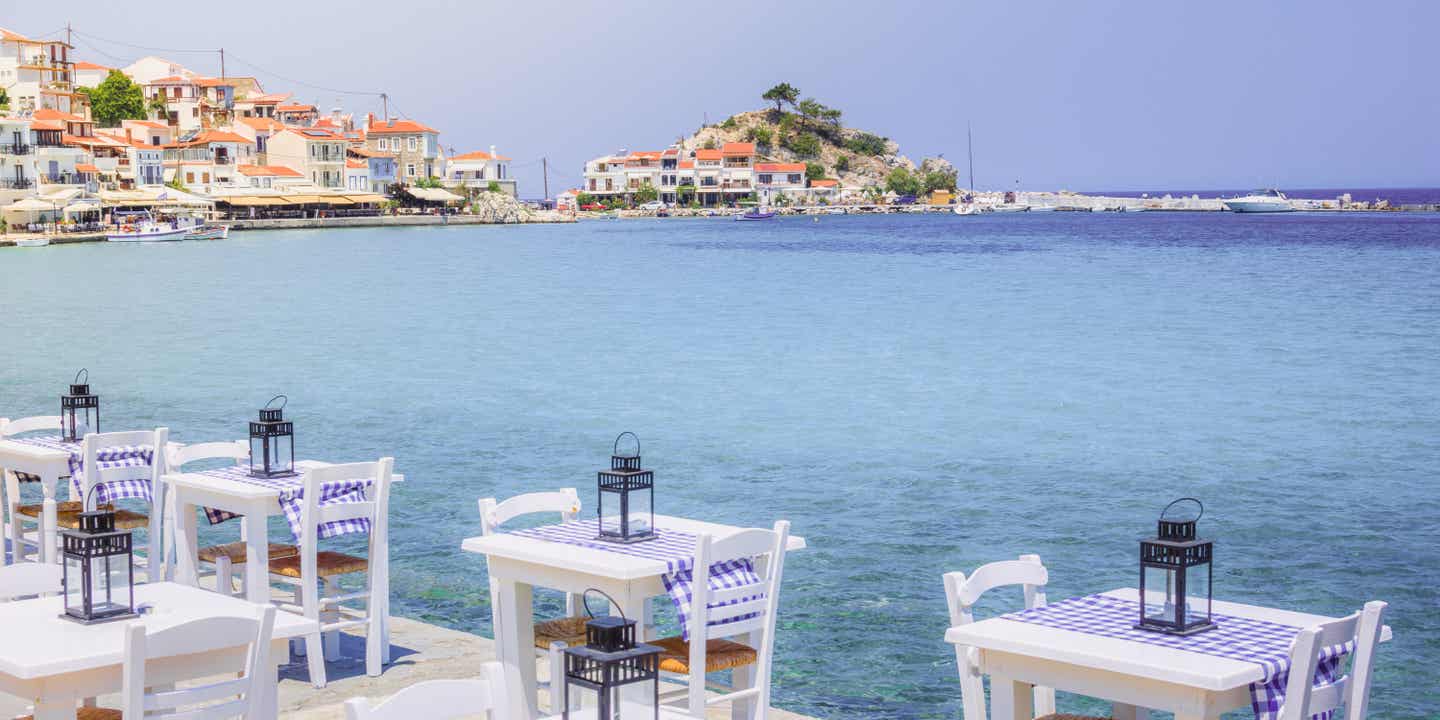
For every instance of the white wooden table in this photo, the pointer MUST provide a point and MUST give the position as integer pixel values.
(257, 503)
(520, 564)
(588, 713)
(56, 662)
(1134, 676)
(50, 465)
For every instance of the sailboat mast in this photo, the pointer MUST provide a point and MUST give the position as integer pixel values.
(970, 151)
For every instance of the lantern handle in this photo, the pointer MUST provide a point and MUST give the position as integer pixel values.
(1173, 503)
(89, 495)
(585, 598)
(615, 449)
(86, 373)
(284, 400)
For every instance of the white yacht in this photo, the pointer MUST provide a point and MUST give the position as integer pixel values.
(1260, 201)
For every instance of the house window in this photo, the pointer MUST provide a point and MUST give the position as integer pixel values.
(189, 177)
(195, 112)
(794, 179)
(764, 178)
(205, 177)
(411, 143)
(410, 169)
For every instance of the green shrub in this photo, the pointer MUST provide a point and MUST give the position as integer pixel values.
(814, 171)
(866, 144)
(730, 123)
(805, 145)
(842, 164)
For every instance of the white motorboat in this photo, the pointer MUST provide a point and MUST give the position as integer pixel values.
(146, 227)
(1260, 201)
(1009, 208)
(967, 209)
(208, 232)
(32, 242)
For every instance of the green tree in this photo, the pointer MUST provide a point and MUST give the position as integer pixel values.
(782, 95)
(682, 192)
(760, 135)
(810, 108)
(814, 171)
(584, 199)
(116, 98)
(842, 163)
(866, 144)
(646, 193)
(709, 144)
(427, 182)
(903, 182)
(805, 145)
(730, 123)
(4, 100)
(939, 180)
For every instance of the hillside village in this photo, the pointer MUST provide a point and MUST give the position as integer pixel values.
(76, 134)
(795, 153)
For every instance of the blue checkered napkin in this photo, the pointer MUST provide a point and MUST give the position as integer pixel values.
(1264, 643)
(120, 456)
(673, 547)
(292, 493)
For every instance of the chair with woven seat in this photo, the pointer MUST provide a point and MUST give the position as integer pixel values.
(311, 568)
(67, 514)
(551, 636)
(736, 624)
(21, 544)
(224, 557)
(962, 593)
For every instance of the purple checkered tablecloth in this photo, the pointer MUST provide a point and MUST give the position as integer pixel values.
(673, 547)
(292, 493)
(120, 456)
(1264, 643)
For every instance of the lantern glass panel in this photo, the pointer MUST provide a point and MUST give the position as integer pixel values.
(109, 585)
(74, 586)
(1160, 595)
(1197, 594)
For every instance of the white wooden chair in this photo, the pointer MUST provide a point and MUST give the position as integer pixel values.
(21, 544)
(713, 622)
(440, 699)
(962, 593)
(1302, 699)
(551, 636)
(227, 556)
(29, 579)
(312, 567)
(67, 514)
(240, 696)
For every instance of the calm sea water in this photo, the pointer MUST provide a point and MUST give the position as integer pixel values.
(916, 394)
(1397, 196)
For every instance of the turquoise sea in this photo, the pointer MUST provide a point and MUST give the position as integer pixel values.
(916, 394)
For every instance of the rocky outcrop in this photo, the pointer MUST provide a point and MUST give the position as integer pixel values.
(494, 207)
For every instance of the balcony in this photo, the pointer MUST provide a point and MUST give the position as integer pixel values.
(16, 184)
(61, 178)
(14, 149)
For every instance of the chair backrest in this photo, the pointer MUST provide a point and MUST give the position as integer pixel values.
(235, 697)
(1352, 690)
(484, 696)
(93, 443)
(9, 427)
(564, 501)
(375, 508)
(178, 455)
(961, 593)
(28, 579)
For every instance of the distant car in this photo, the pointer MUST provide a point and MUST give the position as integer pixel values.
(904, 200)
(653, 205)
(594, 206)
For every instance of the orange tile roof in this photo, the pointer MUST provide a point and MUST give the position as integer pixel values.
(82, 65)
(645, 154)
(223, 136)
(270, 99)
(213, 82)
(367, 152)
(824, 182)
(703, 154)
(687, 164)
(259, 123)
(314, 133)
(172, 80)
(86, 168)
(356, 164)
(49, 114)
(294, 108)
(479, 155)
(268, 171)
(149, 124)
(45, 125)
(399, 126)
(738, 149)
(12, 36)
(780, 167)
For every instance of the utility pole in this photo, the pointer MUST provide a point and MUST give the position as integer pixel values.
(222, 63)
(385, 104)
(67, 34)
(545, 175)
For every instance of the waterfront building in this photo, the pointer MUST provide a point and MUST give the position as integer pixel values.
(357, 175)
(208, 159)
(60, 140)
(475, 171)
(148, 131)
(381, 167)
(259, 106)
(779, 180)
(181, 98)
(259, 129)
(150, 68)
(416, 146)
(267, 176)
(17, 166)
(296, 114)
(317, 153)
(88, 74)
(37, 74)
(143, 163)
(605, 175)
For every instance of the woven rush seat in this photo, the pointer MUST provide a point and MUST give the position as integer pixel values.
(67, 515)
(570, 630)
(236, 552)
(88, 713)
(327, 564)
(719, 655)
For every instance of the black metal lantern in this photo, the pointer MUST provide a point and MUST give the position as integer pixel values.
(272, 442)
(79, 410)
(1175, 576)
(99, 569)
(610, 660)
(627, 497)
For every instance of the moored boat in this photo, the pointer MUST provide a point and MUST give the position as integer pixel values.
(1260, 201)
(208, 232)
(32, 242)
(757, 214)
(146, 227)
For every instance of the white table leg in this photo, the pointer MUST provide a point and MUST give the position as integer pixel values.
(1121, 711)
(55, 708)
(257, 559)
(186, 542)
(515, 638)
(46, 534)
(1010, 699)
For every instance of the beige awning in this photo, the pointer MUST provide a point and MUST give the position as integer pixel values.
(251, 200)
(367, 198)
(434, 194)
(31, 204)
(336, 200)
(304, 199)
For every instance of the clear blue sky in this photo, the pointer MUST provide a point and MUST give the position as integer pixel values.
(1079, 95)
